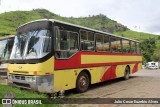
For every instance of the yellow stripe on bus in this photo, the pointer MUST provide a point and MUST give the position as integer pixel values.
(94, 59)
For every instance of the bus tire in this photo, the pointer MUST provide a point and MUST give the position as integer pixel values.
(82, 82)
(126, 73)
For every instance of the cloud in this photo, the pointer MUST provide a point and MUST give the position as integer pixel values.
(153, 26)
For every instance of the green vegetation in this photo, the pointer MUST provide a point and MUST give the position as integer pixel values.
(156, 54)
(23, 94)
(148, 47)
(136, 35)
(9, 21)
(19, 93)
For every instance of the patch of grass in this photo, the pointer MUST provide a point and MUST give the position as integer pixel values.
(19, 93)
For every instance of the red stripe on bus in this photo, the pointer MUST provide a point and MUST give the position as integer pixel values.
(69, 64)
(135, 68)
(109, 74)
(109, 53)
(75, 61)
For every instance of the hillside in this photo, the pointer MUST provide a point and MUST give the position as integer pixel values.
(9, 21)
(135, 35)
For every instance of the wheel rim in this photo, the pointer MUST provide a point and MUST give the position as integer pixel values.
(83, 82)
(127, 73)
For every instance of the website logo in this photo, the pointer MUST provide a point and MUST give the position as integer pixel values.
(6, 101)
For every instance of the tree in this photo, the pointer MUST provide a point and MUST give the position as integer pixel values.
(148, 47)
(156, 55)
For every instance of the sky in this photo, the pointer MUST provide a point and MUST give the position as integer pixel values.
(137, 15)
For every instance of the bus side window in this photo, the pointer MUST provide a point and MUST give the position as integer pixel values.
(126, 46)
(133, 47)
(84, 46)
(87, 40)
(138, 48)
(63, 40)
(102, 42)
(116, 45)
(66, 44)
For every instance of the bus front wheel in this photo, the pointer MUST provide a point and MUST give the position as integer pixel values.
(82, 82)
(126, 73)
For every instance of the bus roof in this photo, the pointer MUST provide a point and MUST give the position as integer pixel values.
(66, 23)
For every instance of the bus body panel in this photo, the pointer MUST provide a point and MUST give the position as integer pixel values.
(38, 77)
(139, 66)
(44, 68)
(93, 59)
(65, 78)
(60, 72)
(120, 70)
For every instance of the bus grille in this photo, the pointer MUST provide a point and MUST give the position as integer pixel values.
(19, 77)
(22, 85)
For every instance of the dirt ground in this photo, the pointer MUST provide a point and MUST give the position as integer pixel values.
(143, 84)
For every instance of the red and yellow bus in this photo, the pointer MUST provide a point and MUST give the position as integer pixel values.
(49, 56)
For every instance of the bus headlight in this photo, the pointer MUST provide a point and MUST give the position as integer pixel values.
(30, 78)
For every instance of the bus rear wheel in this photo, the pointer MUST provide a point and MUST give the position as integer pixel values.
(82, 82)
(126, 73)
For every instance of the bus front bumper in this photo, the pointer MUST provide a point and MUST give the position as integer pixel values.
(42, 84)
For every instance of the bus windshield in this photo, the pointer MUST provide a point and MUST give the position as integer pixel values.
(2, 47)
(6, 51)
(32, 45)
